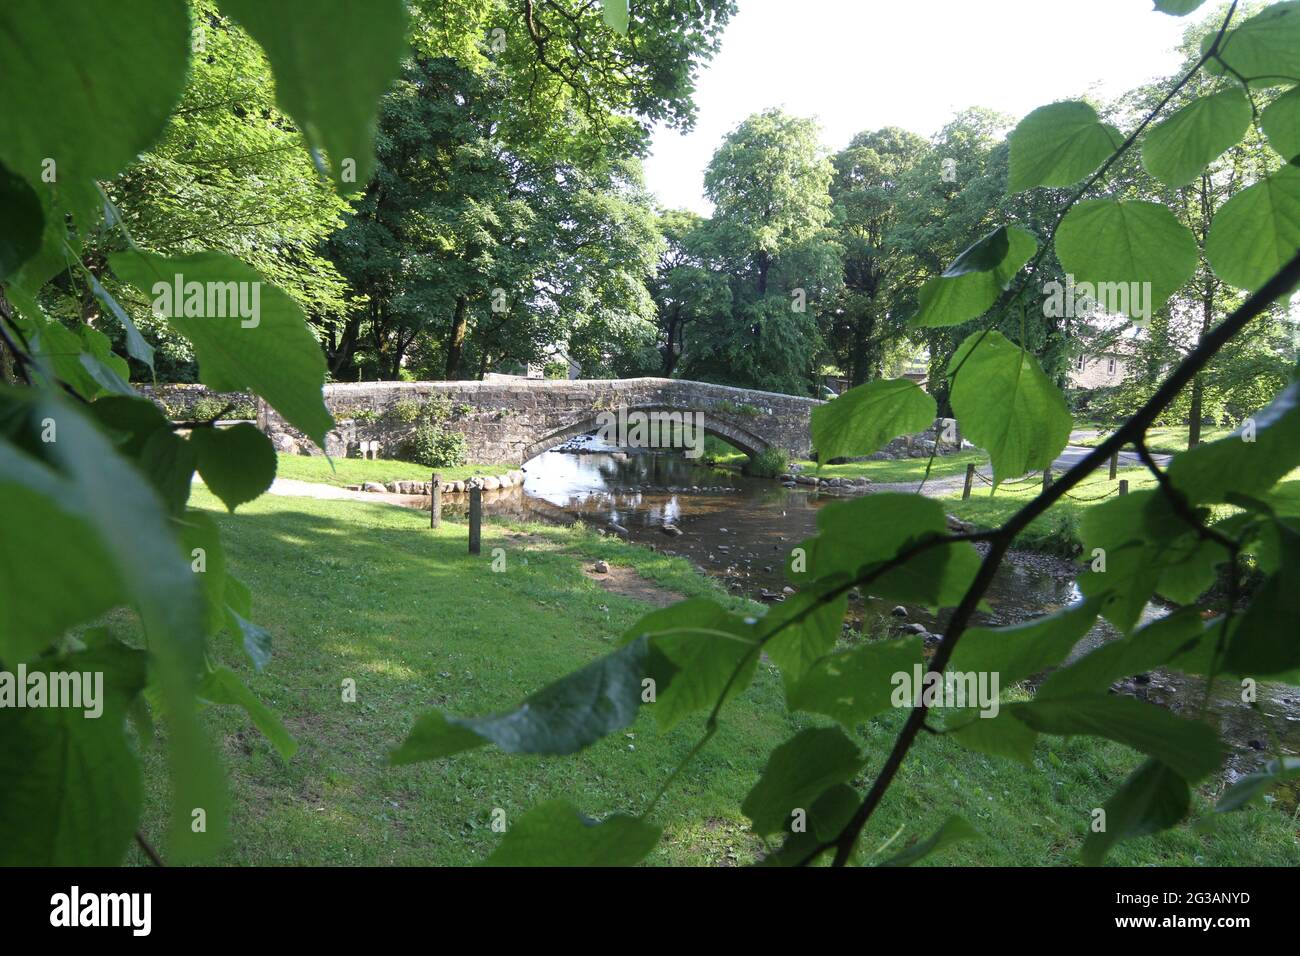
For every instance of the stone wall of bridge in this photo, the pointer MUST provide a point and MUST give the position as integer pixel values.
(510, 422)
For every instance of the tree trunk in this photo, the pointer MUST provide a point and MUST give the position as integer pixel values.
(861, 358)
(1194, 417)
(1198, 385)
(456, 341)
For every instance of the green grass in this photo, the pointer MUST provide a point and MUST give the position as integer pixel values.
(1057, 531)
(368, 592)
(1168, 440)
(353, 471)
(902, 469)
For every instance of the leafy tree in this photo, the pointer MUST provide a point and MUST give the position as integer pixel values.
(686, 287)
(769, 233)
(866, 191)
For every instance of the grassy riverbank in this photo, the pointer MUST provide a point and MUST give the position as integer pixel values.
(369, 592)
(353, 471)
(1168, 440)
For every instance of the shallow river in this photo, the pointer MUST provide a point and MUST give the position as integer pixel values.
(739, 529)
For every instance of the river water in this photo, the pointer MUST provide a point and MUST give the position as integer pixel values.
(739, 529)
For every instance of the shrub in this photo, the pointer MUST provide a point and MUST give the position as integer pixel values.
(406, 411)
(768, 464)
(436, 447)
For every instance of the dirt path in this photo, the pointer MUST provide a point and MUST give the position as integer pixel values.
(293, 488)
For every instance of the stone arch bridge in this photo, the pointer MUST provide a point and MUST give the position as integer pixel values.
(509, 421)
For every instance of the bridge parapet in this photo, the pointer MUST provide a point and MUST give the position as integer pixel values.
(510, 422)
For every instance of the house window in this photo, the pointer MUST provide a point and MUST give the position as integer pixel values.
(1110, 367)
(1080, 363)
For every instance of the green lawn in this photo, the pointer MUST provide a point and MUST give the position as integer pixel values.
(1057, 531)
(902, 469)
(369, 592)
(1168, 440)
(353, 471)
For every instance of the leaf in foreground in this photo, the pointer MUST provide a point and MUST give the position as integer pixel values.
(556, 833)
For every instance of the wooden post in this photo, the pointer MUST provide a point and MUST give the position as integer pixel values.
(970, 479)
(1047, 477)
(1123, 486)
(435, 501)
(475, 518)
(1114, 465)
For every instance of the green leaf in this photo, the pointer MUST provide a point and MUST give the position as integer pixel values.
(1176, 151)
(1007, 406)
(201, 547)
(223, 686)
(1248, 462)
(273, 353)
(797, 772)
(857, 536)
(236, 463)
(128, 518)
(1023, 650)
(953, 299)
(1153, 798)
(1281, 122)
(44, 529)
(616, 15)
(1058, 145)
(1192, 749)
(852, 685)
(1257, 231)
(254, 641)
(1253, 786)
(169, 463)
(706, 647)
(72, 782)
(829, 814)
(1260, 643)
(1001, 735)
(1178, 8)
(24, 222)
(866, 418)
(984, 256)
(58, 351)
(333, 60)
(809, 626)
(1157, 644)
(1267, 46)
(1138, 535)
(562, 718)
(88, 86)
(954, 830)
(1125, 249)
(555, 833)
(136, 346)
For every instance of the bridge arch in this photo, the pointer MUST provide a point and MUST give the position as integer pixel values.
(743, 439)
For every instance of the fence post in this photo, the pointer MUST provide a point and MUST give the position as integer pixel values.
(1123, 486)
(435, 501)
(1114, 465)
(970, 478)
(475, 518)
(1047, 477)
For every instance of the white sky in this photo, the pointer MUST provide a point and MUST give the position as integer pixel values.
(863, 64)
